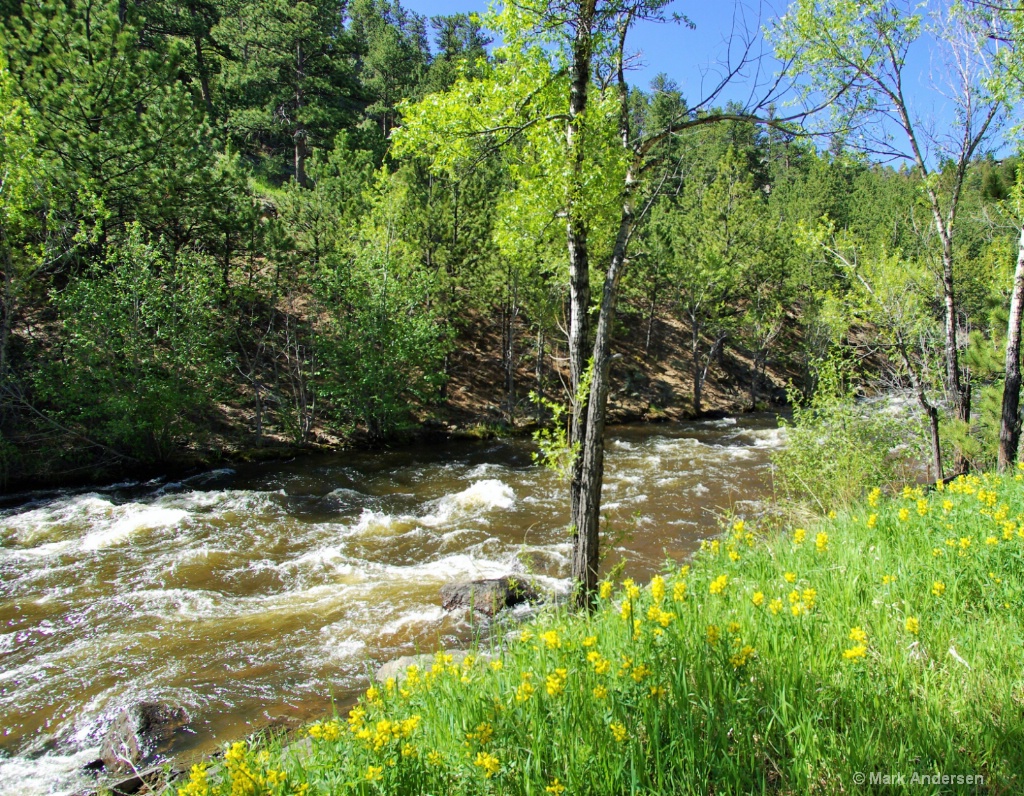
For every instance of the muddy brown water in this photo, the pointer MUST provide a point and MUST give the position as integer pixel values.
(261, 594)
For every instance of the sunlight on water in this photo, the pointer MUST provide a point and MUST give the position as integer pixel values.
(255, 596)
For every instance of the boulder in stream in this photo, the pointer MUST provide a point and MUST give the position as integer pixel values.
(140, 731)
(488, 596)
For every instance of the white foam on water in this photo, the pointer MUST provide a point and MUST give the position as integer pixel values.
(737, 452)
(342, 650)
(223, 501)
(698, 489)
(137, 518)
(485, 469)
(422, 616)
(482, 496)
(180, 604)
(381, 523)
(48, 775)
(768, 437)
(453, 567)
(321, 558)
(40, 522)
(724, 422)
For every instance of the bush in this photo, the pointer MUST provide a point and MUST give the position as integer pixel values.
(140, 349)
(838, 447)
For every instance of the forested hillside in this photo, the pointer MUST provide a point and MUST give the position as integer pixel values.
(209, 241)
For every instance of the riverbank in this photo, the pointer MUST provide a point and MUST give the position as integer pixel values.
(483, 398)
(881, 643)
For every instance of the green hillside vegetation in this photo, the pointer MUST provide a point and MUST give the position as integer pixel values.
(212, 238)
(884, 638)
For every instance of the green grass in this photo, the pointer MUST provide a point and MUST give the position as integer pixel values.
(887, 639)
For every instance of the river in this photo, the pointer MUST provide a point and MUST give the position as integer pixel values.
(260, 594)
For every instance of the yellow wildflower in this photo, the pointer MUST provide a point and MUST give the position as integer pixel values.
(790, 577)
(589, 641)
(922, 507)
(734, 556)
(799, 535)
(904, 515)
(873, 497)
(991, 540)
(555, 787)
(872, 520)
(484, 732)
(857, 634)
(938, 588)
(733, 628)
(632, 590)
(600, 692)
(551, 639)
(374, 773)
(775, 606)
(657, 588)
(912, 625)
(821, 542)
(856, 652)
(887, 579)
(758, 598)
(435, 759)
(497, 665)
(713, 634)
(809, 596)
(741, 657)
(679, 591)
(619, 731)
(555, 683)
(639, 673)
(718, 584)
(525, 690)
(488, 762)
(604, 591)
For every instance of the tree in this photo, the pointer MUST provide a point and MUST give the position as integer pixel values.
(126, 138)
(393, 49)
(889, 294)
(292, 85)
(864, 46)
(557, 90)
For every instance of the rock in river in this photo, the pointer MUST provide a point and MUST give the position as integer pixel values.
(139, 732)
(487, 596)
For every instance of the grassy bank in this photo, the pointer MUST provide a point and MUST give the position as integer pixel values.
(887, 639)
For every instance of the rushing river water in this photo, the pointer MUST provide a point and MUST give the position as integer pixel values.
(260, 594)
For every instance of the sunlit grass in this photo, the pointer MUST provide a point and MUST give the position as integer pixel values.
(886, 639)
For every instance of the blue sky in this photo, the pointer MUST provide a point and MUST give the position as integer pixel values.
(690, 57)
(694, 58)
